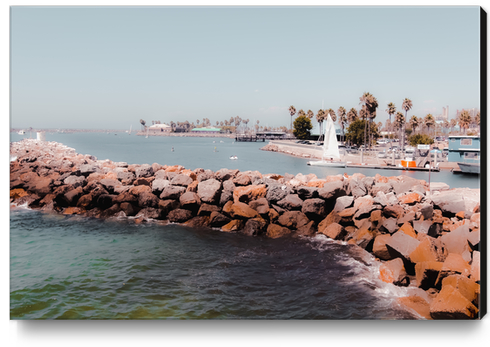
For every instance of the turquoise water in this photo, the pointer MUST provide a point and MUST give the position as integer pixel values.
(70, 267)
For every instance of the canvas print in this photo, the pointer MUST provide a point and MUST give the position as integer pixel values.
(224, 163)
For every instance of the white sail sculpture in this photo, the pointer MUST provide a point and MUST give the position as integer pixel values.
(330, 148)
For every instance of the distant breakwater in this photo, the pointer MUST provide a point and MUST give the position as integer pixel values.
(427, 240)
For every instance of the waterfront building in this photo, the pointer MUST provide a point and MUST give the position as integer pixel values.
(160, 128)
(206, 130)
(464, 148)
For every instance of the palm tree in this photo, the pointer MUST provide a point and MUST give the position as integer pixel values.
(143, 123)
(351, 115)
(301, 113)
(414, 123)
(407, 106)
(429, 121)
(370, 104)
(342, 118)
(310, 114)
(292, 112)
(391, 111)
(464, 120)
(445, 125)
(319, 118)
(453, 123)
(399, 121)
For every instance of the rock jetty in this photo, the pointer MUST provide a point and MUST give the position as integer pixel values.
(429, 240)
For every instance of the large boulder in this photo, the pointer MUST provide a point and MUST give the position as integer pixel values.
(182, 180)
(401, 245)
(334, 231)
(277, 192)
(275, 231)
(158, 185)
(190, 201)
(249, 193)
(227, 192)
(260, 205)
(144, 170)
(453, 201)
(314, 209)
(217, 219)
(109, 184)
(240, 210)
(392, 271)
(293, 219)
(209, 191)
(179, 215)
(379, 247)
(343, 202)
(307, 192)
(172, 192)
(451, 304)
(145, 197)
(291, 202)
(75, 181)
(254, 227)
(356, 187)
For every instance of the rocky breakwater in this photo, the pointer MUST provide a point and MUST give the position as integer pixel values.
(429, 241)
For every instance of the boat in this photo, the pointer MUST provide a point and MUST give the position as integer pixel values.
(130, 128)
(233, 157)
(470, 168)
(330, 148)
(21, 132)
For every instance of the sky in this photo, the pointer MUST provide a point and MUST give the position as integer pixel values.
(109, 67)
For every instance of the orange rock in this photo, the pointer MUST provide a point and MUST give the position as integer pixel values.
(334, 230)
(379, 247)
(425, 251)
(273, 176)
(316, 183)
(175, 168)
(242, 211)
(460, 215)
(380, 179)
(333, 217)
(17, 193)
(73, 210)
(455, 225)
(273, 214)
(410, 198)
(249, 193)
(408, 229)
(426, 273)
(363, 201)
(189, 173)
(451, 304)
(234, 225)
(111, 175)
(392, 271)
(376, 216)
(454, 264)
(348, 212)
(192, 187)
(274, 231)
(417, 304)
(468, 288)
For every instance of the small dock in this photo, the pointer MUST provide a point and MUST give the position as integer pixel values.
(382, 167)
(248, 138)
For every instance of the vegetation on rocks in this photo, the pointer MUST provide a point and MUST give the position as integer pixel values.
(427, 240)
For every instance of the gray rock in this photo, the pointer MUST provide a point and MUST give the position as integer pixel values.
(385, 188)
(401, 245)
(160, 175)
(110, 184)
(307, 192)
(204, 176)
(209, 191)
(158, 185)
(144, 170)
(87, 169)
(172, 192)
(405, 185)
(421, 226)
(121, 164)
(179, 215)
(75, 181)
(277, 192)
(125, 176)
(357, 188)
(260, 205)
(181, 180)
(150, 213)
(389, 225)
(217, 219)
(225, 174)
(227, 192)
(343, 202)
(314, 209)
(332, 190)
(291, 202)
(427, 210)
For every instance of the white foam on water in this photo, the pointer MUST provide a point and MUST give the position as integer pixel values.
(364, 271)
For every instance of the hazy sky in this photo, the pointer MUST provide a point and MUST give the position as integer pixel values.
(108, 67)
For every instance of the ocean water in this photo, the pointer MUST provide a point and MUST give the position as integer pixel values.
(71, 267)
(214, 154)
